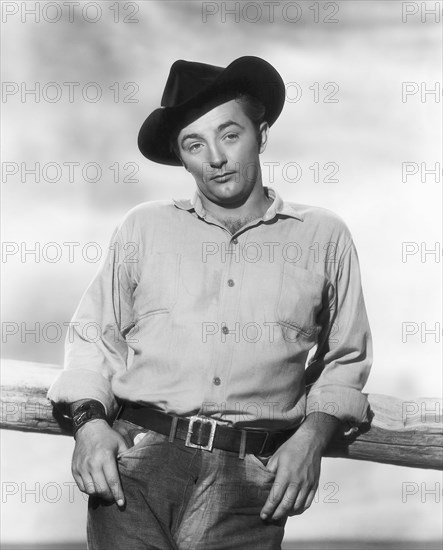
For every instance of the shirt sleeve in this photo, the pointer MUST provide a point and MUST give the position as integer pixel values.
(340, 367)
(95, 348)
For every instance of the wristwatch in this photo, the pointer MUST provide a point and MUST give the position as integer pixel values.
(87, 411)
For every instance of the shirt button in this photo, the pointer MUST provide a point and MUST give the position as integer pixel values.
(216, 381)
(235, 241)
(225, 330)
(230, 282)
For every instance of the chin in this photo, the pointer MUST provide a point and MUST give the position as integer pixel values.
(227, 191)
(231, 199)
(231, 190)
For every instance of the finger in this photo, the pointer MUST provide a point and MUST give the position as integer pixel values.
(88, 485)
(86, 481)
(304, 500)
(310, 498)
(78, 479)
(275, 495)
(124, 443)
(76, 472)
(287, 502)
(112, 476)
(99, 486)
(272, 464)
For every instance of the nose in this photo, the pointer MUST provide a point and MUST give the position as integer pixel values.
(217, 157)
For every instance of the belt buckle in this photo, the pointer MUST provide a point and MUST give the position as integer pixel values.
(203, 420)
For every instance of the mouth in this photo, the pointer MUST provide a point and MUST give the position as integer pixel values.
(223, 177)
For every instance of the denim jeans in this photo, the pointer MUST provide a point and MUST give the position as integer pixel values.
(182, 498)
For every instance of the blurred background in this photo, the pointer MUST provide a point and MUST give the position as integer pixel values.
(359, 134)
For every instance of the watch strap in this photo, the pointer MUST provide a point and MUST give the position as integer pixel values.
(87, 411)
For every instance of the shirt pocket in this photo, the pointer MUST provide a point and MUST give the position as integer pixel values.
(299, 302)
(156, 291)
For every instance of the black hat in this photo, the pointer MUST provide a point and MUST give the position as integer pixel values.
(192, 85)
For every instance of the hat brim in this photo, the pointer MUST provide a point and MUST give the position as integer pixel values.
(247, 74)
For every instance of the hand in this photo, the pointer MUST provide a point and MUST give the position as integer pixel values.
(296, 465)
(94, 464)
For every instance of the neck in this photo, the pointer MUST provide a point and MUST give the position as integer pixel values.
(235, 217)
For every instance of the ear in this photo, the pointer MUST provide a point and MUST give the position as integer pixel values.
(263, 135)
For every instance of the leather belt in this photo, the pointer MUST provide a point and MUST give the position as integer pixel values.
(203, 432)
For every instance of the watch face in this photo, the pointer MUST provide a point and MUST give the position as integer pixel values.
(86, 412)
(85, 415)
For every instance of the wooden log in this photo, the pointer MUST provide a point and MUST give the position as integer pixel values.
(405, 432)
(25, 406)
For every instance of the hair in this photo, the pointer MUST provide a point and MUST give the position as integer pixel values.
(252, 107)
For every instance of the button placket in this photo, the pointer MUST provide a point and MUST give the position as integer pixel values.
(230, 281)
(227, 315)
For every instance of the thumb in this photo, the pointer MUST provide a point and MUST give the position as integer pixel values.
(121, 444)
(272, 466)
(272, 463)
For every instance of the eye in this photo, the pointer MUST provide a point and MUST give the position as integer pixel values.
(232, 136)
(195, 147)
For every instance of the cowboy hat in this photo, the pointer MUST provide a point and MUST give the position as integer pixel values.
(191, 86)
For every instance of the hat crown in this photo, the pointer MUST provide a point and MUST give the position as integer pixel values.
(186, 79)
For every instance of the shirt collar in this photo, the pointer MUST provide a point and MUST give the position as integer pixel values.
(278, 206)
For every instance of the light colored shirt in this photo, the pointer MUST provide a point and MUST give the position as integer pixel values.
(189, 318)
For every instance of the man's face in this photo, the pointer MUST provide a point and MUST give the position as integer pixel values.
(220, 149)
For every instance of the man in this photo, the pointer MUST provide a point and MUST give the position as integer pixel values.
(220, 300)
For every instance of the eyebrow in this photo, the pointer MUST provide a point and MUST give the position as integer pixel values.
(220, 128)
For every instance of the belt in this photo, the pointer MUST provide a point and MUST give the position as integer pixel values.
(203, 432)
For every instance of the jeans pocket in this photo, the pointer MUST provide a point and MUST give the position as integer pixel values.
(136, 437)
(138, 443)
(260, 462)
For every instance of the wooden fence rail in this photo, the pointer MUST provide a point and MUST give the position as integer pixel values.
(405, 432)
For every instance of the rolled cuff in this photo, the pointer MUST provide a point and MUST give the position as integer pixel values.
(347, 404)
(73, 385)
